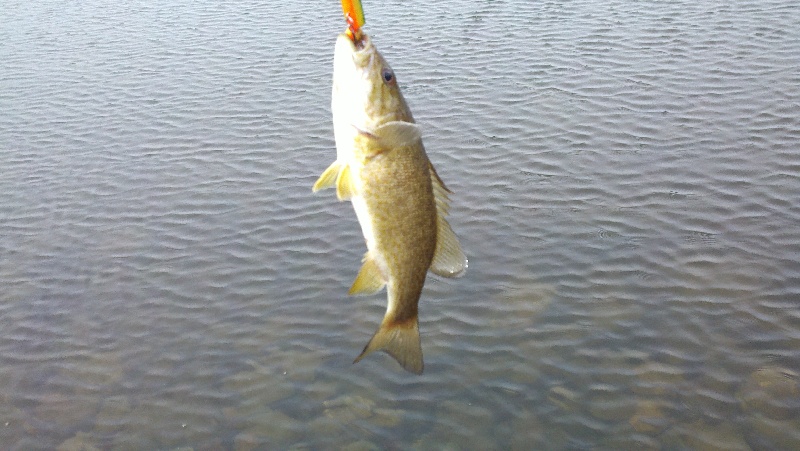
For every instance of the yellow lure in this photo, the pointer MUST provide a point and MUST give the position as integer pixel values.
(354, 14)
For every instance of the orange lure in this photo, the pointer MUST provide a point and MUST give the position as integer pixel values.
(354, 14)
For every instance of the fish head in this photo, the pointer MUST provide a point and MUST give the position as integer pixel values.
(365, 91)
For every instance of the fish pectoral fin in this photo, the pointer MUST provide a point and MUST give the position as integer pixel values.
(448, 258)
(344, 184)
(328, 177)
(369, 280)
(401, 341)
(397, 134)
(393, 134)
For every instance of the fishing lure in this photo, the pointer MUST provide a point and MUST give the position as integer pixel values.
(354, 14)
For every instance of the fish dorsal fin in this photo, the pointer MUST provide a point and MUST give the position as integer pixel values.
(440, 192)
(394, 134)
(448, 258)
(369, 280)
(328, 178)
(344, 184)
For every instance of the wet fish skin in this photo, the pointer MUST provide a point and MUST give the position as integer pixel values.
(393, 199)
(399, 200)
(360, 98)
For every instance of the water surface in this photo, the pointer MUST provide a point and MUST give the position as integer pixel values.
(626, 183)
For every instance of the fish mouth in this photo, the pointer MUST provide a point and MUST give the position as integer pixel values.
(357, 37)
(355, 34)
(358, 48)
(360, 41)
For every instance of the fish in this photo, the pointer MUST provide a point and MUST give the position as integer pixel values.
(400, 201)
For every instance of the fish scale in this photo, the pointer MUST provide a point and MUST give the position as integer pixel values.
(382, 168)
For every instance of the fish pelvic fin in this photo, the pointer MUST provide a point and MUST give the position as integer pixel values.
(328, 177)
(370, 279)
(401, 341)
(344, 184)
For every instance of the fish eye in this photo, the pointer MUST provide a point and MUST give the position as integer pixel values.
(388, 75)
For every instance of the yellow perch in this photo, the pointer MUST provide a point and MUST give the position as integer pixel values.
(400, 201)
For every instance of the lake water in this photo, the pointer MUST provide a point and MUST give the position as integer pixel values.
(626, 181)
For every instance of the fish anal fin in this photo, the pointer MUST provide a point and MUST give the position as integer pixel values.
(401, 341)
(328, 177)
(369, 280)
(448, 258)
(344, 184)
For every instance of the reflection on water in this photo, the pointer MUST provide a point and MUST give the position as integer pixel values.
(626, 185)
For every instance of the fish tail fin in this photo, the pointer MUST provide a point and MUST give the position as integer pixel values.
(401, 341)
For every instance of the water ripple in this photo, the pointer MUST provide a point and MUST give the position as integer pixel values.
(624, 182)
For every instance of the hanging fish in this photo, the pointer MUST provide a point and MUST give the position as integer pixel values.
(400, 201)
